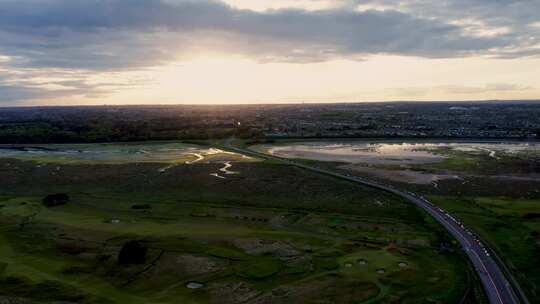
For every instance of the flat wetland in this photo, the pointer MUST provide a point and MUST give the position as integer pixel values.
(240, 230)
(111, 153)
(408, 161)
(393, 151)
(493, 187)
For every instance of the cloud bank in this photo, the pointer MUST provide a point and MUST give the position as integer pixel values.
(109, 35)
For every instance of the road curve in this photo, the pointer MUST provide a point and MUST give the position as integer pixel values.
(496, 286)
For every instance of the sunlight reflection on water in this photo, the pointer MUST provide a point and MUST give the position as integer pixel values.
(394, 152)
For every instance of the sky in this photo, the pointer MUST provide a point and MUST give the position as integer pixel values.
(84, 52)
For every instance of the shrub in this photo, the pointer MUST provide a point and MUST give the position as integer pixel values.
(141, 207)
(132, 253)
(57, 199)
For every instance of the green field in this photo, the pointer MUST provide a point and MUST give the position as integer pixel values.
(269, 234)
(506, 224)
(505, 161)
(498, 196)
(500, 199)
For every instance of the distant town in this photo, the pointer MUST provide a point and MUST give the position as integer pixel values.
(496, 119)
(493, 120)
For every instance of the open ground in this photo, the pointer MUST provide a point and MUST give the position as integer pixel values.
(267, 233)
(494, 188)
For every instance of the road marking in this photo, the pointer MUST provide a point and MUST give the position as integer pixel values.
(489, 276)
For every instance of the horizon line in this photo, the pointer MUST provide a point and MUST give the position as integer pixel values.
(274, 103)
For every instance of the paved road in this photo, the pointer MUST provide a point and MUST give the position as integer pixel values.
(495, 283)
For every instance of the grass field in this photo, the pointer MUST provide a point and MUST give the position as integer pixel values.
(495, 191)
(268, 234)
(506, 225)
(482, 162)
(500, 199)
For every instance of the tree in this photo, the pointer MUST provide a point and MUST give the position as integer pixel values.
(132, 253)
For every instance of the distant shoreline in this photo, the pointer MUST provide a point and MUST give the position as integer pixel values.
(271, 140)
(409, 139)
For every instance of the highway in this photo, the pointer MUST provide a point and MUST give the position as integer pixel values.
(496, 286)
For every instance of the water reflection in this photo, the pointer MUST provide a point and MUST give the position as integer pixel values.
(395, 152)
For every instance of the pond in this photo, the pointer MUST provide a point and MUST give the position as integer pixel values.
(392, 152)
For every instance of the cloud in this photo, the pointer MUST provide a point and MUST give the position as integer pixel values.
(457, 90)
(488, 88)
(119, 34)
(36, 84)
(11, 93)
(512, 19)
(69, 40)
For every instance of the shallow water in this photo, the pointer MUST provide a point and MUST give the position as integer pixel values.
(137, 152)
(100, 152)
(194, 285)
(393, 153)
(226, 167)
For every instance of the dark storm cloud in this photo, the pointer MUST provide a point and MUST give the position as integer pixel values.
(113, 34)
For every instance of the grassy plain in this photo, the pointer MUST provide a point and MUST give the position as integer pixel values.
(503, 223)
(497, 195)
(269, 234)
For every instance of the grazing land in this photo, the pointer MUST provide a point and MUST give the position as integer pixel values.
(219, 228)
(494, 188)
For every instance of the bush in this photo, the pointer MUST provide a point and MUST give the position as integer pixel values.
(141, 207)
(132, 253)
(531, 216)
(57, 199)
